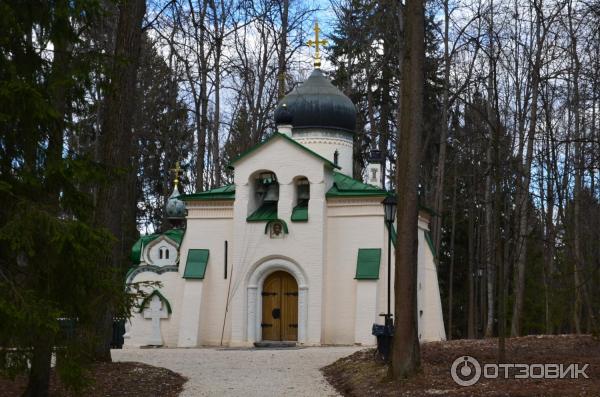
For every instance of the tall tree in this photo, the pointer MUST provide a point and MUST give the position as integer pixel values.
(49, 267)
(405, 349)
(114, 197)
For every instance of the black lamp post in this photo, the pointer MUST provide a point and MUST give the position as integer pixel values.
(389, 206)
(384, 333)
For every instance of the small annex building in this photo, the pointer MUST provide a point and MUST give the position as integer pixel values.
(294, 249)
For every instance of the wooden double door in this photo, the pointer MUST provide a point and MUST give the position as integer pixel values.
(280, 307)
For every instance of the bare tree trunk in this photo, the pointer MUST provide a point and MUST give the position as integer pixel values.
(218, 26)
(575, 104)
(490, 270)
(385, 116)
(405, 351)
(452, 253)
(441, 162)
(550, 234)
(471, 273)
(203, 129)
(523, 186)
(115, 149)
(284, 6)
(488, 246)
(39, 373)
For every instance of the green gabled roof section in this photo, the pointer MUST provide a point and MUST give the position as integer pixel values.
(266, 212)
(344, 186)
(284, 137)
(367, 264)
(300, 213)
(195, 265)
(136, 251)
(226, 192)
(430, 243)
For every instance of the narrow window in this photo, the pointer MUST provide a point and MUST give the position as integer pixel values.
(264, 205)
(160, 253)
(166, 254)
(300, 211)
(336, 156)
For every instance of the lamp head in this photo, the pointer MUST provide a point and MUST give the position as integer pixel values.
(389, 205)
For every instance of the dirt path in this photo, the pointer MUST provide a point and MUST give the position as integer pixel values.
(268, 372)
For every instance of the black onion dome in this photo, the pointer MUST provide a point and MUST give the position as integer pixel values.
(317, 104)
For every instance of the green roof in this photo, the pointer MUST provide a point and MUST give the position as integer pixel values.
(430, 243)
(287, 138)
(344, 186)
(300, 213)
(136, 251)
(266, 212)
(195, 266)
(367, 265)
(226, 192)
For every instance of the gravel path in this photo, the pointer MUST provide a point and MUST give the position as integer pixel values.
(247, 372)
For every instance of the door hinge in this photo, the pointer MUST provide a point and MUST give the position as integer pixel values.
(293, 325)
(266, 325)
(292, 293)
(268, 293)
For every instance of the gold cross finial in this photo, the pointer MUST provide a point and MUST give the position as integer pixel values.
(177, 171)
(316, 43)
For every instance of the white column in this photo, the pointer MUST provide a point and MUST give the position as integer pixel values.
(302, 313)
(286, 201)
(190, 314)
(366, 311)
(252, 314)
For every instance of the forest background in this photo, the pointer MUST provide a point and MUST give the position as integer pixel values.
(101, 99)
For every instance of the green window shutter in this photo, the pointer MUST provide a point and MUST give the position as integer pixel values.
(300, 213)
(367, 266)
(195, 266)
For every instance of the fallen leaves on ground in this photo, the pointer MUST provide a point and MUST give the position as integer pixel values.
(118, 379)
(363, 374)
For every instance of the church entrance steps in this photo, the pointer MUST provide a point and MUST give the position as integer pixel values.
(275, 344)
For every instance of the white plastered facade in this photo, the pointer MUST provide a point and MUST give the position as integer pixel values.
(321, 254)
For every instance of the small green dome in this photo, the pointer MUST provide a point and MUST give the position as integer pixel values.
(175, 207)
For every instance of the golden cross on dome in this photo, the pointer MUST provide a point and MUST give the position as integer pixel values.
(177, 171)
(316, 43)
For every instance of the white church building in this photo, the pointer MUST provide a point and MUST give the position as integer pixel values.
(294, 250)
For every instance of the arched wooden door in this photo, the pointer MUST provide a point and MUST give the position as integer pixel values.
(280, 307)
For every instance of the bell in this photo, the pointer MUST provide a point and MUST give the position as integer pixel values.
(272, 192)
(303, 192)
(267, 178)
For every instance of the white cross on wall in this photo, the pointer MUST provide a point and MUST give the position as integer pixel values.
(155, 312)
